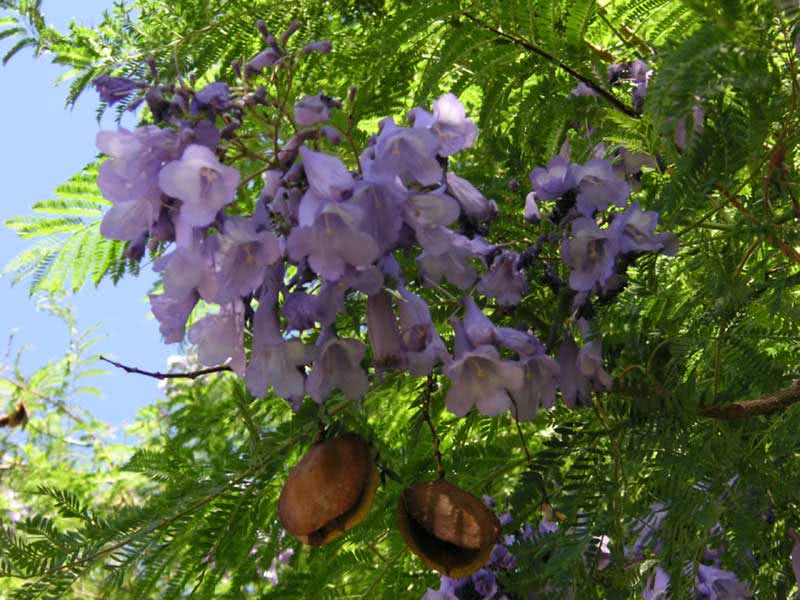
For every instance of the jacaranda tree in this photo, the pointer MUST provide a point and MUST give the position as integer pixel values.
(480, 300)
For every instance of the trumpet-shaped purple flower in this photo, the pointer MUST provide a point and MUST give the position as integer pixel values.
(480, 378)
(332, 243)
(338, 365)
(129, 178)
(505, 281)
(590, 253)
(575, 387)
(554, 181)
(451, 125)
(718, 584)
(384, 334)
(540, 375)
(274, 361)
(485, 583)
(311, 110)
(452, 263)
(657, 585)
(381, 209)
(479, 329)
(637, 232)
(590, 364)
(599, 186)
(532, 214)
(262, 60)
(327, 176)
(409, 154)
(114, 89)
(202, 183)
(242, 256)
(220, 338)
(172, 313)
(474, 204)
(424, 347)
(430, 211)
(214, 96)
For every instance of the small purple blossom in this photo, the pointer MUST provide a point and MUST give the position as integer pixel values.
(424, 347)
(657, 585)
(214, 96)
(114, 89)
(505, 281)
(599, 186)
(484, 582)
(332, 243)
(451, 125)
(637, 232)
(384, 334)
(311, 110)
(202, 183)
(554, 181)
(327, 176)
(409, 154)
(473, 204)
(338, 365)
(480, 378)
(220, 338)
(575, 387)
(590, 253)
(540, 376)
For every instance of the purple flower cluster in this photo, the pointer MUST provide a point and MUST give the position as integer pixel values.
(322, 236)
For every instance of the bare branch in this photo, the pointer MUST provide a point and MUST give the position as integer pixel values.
(157, 375)
(599, 89)
(765, 405)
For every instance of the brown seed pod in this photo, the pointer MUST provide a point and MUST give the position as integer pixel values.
(451, 530)
(330, 490)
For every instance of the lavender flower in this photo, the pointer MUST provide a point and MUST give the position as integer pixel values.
(409, 154)
(473, 204)
(590, 253)
(452, 263)
(718, 584)
(480, 378)
(657, 585)
(243, 254)
(505, 281)
(311, 110)
(575, 387)
(332, 243)
(114, 89)
(451, 125)
(485, 583)
(540, 375)
(201, 182)
(338, 365)
(327, 176)
(384, 334)
(637, 232)
(556, 180)
(220, 337)
(599, 186)
(214, 96)
(424, 347)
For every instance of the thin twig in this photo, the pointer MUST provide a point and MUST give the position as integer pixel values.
(601, 91)
(426, 413)
(157, 375)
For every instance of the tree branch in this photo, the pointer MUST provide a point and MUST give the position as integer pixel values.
(765, 405)
(599, 89)
(157, 375)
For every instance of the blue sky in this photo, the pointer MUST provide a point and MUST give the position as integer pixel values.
(43, 144)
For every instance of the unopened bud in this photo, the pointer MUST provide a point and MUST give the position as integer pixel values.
(351, 95)
(323, 47)
(293, 26)
(262, 29)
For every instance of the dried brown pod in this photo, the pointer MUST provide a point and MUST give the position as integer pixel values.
(451, 530)
(330, 490)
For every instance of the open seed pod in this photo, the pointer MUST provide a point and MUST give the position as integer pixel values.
(330, 490)
(451, 530)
